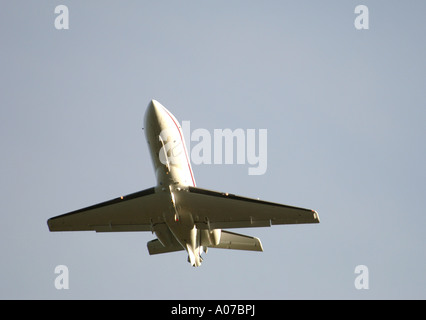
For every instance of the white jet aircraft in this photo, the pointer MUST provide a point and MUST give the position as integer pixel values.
(183, 216)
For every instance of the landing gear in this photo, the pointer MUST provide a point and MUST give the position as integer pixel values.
(194, 264)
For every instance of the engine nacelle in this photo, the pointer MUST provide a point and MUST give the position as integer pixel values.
(210, 238)
(215, 236)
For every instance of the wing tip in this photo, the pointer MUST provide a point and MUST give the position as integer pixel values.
(316, 216)
(49, 225)
(259, 243)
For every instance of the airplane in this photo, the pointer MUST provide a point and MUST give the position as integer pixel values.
(182, 215)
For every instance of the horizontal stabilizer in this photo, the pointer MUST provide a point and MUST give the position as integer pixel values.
(231, 240)
(155, 247)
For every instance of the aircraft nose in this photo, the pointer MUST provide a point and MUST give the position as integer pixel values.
(154, 107)
(153, 111)
(154, 104)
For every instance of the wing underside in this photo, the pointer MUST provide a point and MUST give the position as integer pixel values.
(211, 210)
(218, 210)
(140, 211)
(133, 212)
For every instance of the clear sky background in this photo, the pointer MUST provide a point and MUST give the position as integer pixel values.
(345, 114)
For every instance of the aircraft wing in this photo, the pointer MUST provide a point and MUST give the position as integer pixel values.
(218, 210)
(211, 210)
(128, 213)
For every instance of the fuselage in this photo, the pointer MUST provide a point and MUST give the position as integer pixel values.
(173, 172)
(167, 147)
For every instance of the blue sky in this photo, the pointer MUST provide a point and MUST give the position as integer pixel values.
(345, 114)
